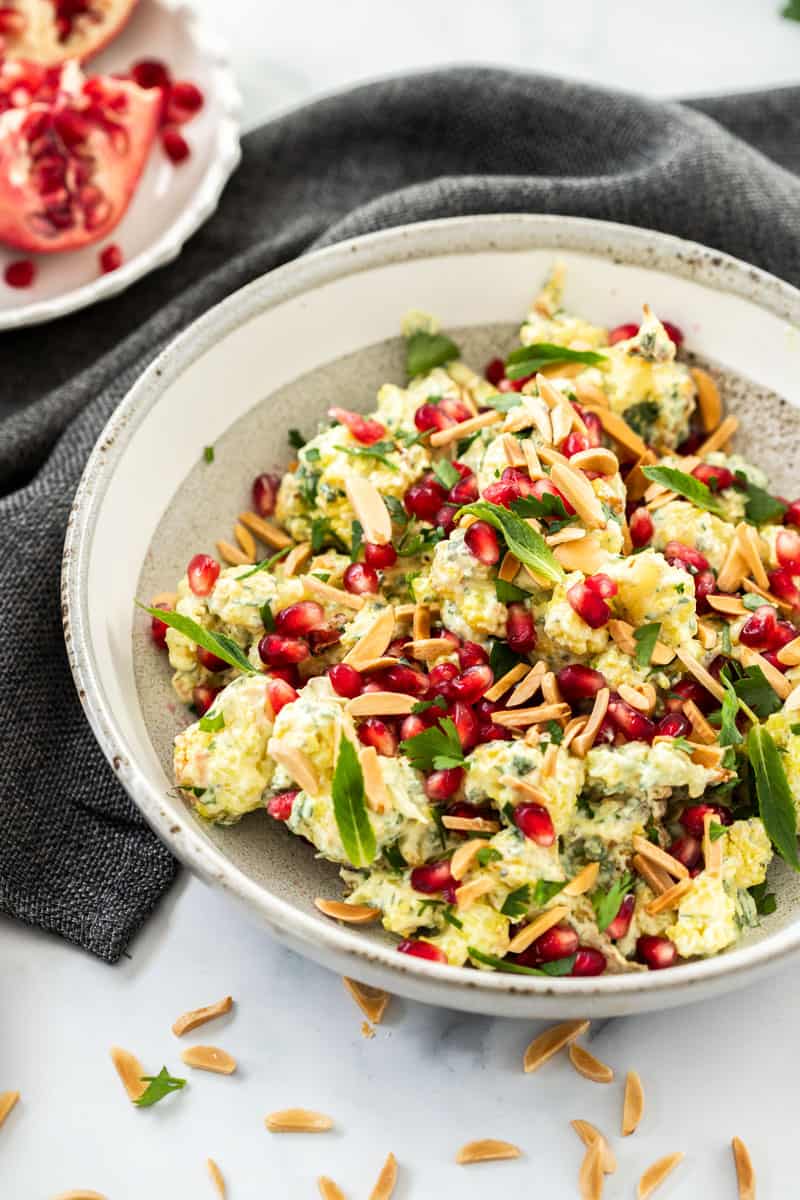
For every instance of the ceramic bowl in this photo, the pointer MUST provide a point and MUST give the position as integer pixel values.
(324, 330)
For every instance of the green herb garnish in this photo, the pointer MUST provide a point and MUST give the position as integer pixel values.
(765, 901)
(646, 637)
(556, 732)
(486, 855)
(212, 724)
(685, 485)
(607, 904)
(775, 804)
(502, 659)
(546, 507)
(296, 439)
(266, 564)
(446, 473)
(424, 351)
(528, 546)
(437, 748)
(517, 903)
(217, 643)
(544, 890)
(377, 450)
(752, 602)
(729, 734)
(527, 360)
(158, 1086)
(208, 453)
(757, 693)
(716, 831)
(356, 540)
(760, 507)
(350, 808)
(562, 966)
(508, 593)
(423, 705)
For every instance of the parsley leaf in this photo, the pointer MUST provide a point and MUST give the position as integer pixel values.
(394, 856)
(507, 593)
(792, 13)
(502, 658)
(424, 351)
(423, 705)
(158, 1086)
(642, 418)
(296, 439)
(396, 511)
(729, 735)
(218, 643)
(606, 905)
(556, 732)
(208, 454)
(517, 903)
(775, 804)
(527, 360)
(503, 401)
(646, 637)
(716, 831)
(267, 617)
(320, 530)
(350, 808)
(451, 917)
(760, 507)
(755, 690)
(488, 854)
(212, 724)
(685, 485)
(436, 748)
(356, 540)
(524, 542)
(446, 473)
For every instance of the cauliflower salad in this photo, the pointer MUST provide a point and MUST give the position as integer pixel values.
(521, 656)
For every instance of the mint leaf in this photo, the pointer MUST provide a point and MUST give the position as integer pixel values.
(377, 450)
(446, 473)
(218, 643)
(760, 506)
(502, 659)
(527, 360)
(765, 901)
(517, 903)
(752, 601)
(544, 890)
(488, 854)
(792, 13)
(208, 453)
(547, 506)
(775, 804)
(212, 724)
(423, 705)
(555, 731)
(503, 401)
(350, 808)
(729, 734)
(607, 904)
(685, 485)
(436, 748)
(524, 542)
(562, 966)
(266, 564)
(646, 637)
(424, 351)
(754, 690)
(507, 593)
(159, 1086)
(396, 511)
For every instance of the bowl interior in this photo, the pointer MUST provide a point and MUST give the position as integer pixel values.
(277, 357)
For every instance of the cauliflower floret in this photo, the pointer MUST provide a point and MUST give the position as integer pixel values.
(229, 768)
(746, 853)
(482, 927)
(522, 861)
(396, 406)
(404, 910)
(465, 588)
(780, 726)
(548, 322)
(487, 764)
(652, 590)
(240, 593)
(564, 631)
(737, 464)
(680, 521)
(706, 920)
(652, 772)
(606, 834)
(182, 650)
(620, 668)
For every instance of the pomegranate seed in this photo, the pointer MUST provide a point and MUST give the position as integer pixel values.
(590, 607)
(589, 961)
(379, 557)
(632, 724)
(323, 636)
(443, 785)
(577, 682)
(771, 657)
(622, 333)
(674, 725)
(445, 518)
(411, 726)
(471, 655)
(202, 573)
(466, 724)
(424, 498)
(501, 492)
(692, 817)
(494, 371)
(470, 686)
(594, 426)
(787, 550)
(481, 541)
(12, 22)
(150, 73)
(602, 585)
(705, 584)
(519, 479)
(690, 689)
(759, 628)
(607, 733)
(363, 429)
(280, 806)
(792, 514)
(433, 877)
(574, 442)
(784, 632)
(656, 952)
(688, 559)
(430, 416)
(558, 942)
(374, 732)
(440, 679)
(420, 949)
(296, 620)
(20, 274)
(535, 823)
(621, 923)
(361, 579)
(513, 385)
(288, 674)
(110, 259)
(465, 491)
(783, 586)
(345, 680)
(715, 478)
(405, 679)
(203, 696)
(687, 849)
(641, 527)
(158, 629)
(489, 732)
(184, 101)
(520, 629)
(265, 493)
(274, 650)
(175, 145)
(456, 410)
(210, 661)
(673, 332)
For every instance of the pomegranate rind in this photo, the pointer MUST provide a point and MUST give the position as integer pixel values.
(39, 40)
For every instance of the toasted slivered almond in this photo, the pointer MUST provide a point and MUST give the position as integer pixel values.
(531, 459)
(789, 654)
(371, 1000)
(582, 744)
(468, 893)
(709, 401)
(529, 933)
(298, 765)
(508, 568)
(550, 760)
(588, 1135)
(375, 789)
(706, 634)
(730, 576)
(130, 1071)
(590, 1176)
(528, 789)
(633, 1104)
(80, 1194)
(329, 1190)
(792, 701)
(487, 1150)
(655, 1175)
(636, 482)
(351, 914)
(657, 880)
(671, 898)
(706, 756)
(370, 509)
(298, 1120)
(521, 717)
(233, 555)
(421, 623)
(570, 534)
(745, 1175)
(454, 433)
(598, 458)
(702, 730)
(471, 824)
(622, 636)
(403, 611)
(515, 455)
(572, 729)
(644, 701)
(587, 1065)
(501, 686)
(712, 849)
(246, 540)
(384, 1184)
(543, 1047)
(700, 673)
(583, 882)
(770, 598)
(428, 649)
(590, 393)
(776, 680)
(660, 857)
(577, 489)
(561, 423)
(200, 1016)
(465, 856)
(209, 1058)
(749, 550)
(216, 1178)
(619, 431)
(584, 554)
(377, 664)
(661, 500)
(265, 531)
(556, 401)
(375, 641)
(550, 689)
(7, 1102)
(296, 558)
(536, 414)
(730, 606)
(716, 440)
(549, 455)
(169, 599)
(326, 592)
(376, 704)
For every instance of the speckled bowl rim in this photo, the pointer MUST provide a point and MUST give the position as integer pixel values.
(335, 946)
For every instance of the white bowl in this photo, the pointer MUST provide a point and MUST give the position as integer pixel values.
(324, 330)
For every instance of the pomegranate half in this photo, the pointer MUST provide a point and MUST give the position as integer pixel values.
(51, 31)
(71, 153)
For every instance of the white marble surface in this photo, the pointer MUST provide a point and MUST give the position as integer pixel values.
(429, 1080)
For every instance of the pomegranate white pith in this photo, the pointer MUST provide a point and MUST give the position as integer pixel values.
(51, 31)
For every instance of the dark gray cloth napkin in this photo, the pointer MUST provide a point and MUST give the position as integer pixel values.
(75, 857)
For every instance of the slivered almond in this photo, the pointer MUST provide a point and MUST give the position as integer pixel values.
(384, 1184)
(655, 1175)
(707, 756)
(636, 482)
(731, 574)
(421, 623)
(371, 1000)
(471, 824)
(534, 413)
(671, 898)
(633, 1104)
(296, 559)
(590, 393)
(265, 531)
(532, 459)
(233, 555)
(660, 857)
(529, 933)
(216, 1178)
(700, 673)
(776, 680)
(468, 893)
(209, 1058)
(706, 634)
(550, 760)
(377, 664)
(486, 1150)
(644, 701)
(373, 704)
(709, 401)
(168, 598)
(403, 611)
(298, 765)
(703, 731)
(587, 1065)
(792, 701)
(749, 550)
(745, 1175)
(571, 534)
(529, 686)
(370, 509)
(465, 856)
(351, 914)
(375, 789)
(578, 491)
(561, 423)
(550, 689)
(515, 455)
(716, 440)
(589, 1134)
(549, 455)
(555, 399)
(375, 641)
(657, 880)
(428, 649)
(661, 500)
(454, 433)
(598, 458)
(543, 1047)
(298, 1120)
(130, 1071)
(326, 592)
(201, 1016)
(7, 1102)
(572, 729)
(520, 718)
(619, 431)
(583, 882)
(712, 850)
(583, 554)
(789, 654)
(246, 540)
(590, 1176)
(508, 568)
(622, 636)
(765, 594)
(329, 1190)
(582, 744)
(729, 606)
(501, 686)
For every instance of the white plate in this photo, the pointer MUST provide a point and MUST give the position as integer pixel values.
(171, 202)
(238, 378)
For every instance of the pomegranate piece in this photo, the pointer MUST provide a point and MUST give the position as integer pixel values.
(445, 518)
(404, 679)
(641, 527)
(792, 514)
(673, 332)
(594, 426)
(71, 153)
(433, 877)
(430, 416)
(602, 585)
(574, 442)
(296, 620)
(51, 31)
(466, 724)
(183, 101)
(787, 550)
(632, 724)
(158, 629)
(589, 606)
(470, 686)
(782, 585)
(577, 682)
(424, 498)
(275, 650)
(20, 274)
(472, 655)
(520, 629)
(379, 557)
(443, 785)
(151, 73)
(322, 636)
(622, 333)
(588, 961)
(494, 371)
(441, 678)
(279, 694)
(203, 696)
(688, 850)
(465, 491)
(280, 806)
(377, 733)
(534, 821)
(411, 726)
(265, 493)
(362, 428)
(690, 689)
(674, 725)
(110, 259)
(361, 579)
(686, 557)
(692, 817)
(760, 628)
(175, 145)
(715, 478)
(656, 952)
(202, 573)
(558, 942)
(621, 923)
(210, 661)
(705, 584)
(501, 492)
(420, 949)
(481, 541)
(346, 680)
